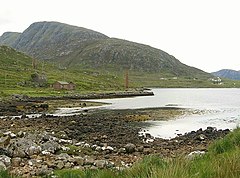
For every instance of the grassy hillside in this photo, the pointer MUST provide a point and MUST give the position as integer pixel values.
(16, 69)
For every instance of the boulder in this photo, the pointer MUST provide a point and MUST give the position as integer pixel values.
(79, 160)
(147, 151)
(88, 160)
(20, 147)
(64, 157)
(101, 164)
(130, 148)
(33, 150)
(43, 171)
(121, 150)
(140, 148)
(60, 164)
(51, 146)
(4, 151)
(21, 134)
(2, 166)
(6, 160)
(195, 154)
(201, 137)
(4, 141)
(18, 152)
(16, 162)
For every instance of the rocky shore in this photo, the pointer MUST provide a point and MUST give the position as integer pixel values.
(93, 140)
(23, 104)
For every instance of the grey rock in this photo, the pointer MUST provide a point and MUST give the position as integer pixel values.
(140, 148)
(147, 151)
(20, 134)
(195, 154)
(51, 146)
(98, 148)
(68, 165)
(201, 137)
(33, 150)
(2, 166)
(122, 150)
(62, 135)
(88, 160)
(63, 156)
(5, 159)
(4, 141)
(44, 170)
(19, 147)
(101, 164)
(16, 162)
(19, 152)
(4, 151)
(79, 160)
(50, 163)
(78, 167)
(63, 141)
(110, 148)
(60, 164)
(12, 135)
(130, 148)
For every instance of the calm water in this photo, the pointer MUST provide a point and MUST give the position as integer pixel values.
(223, 107)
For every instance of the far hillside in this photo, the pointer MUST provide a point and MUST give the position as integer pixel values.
(21, 74)
(228, 73)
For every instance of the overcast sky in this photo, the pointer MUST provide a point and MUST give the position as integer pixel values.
(200, 33)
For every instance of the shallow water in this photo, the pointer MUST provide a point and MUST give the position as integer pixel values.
(223, 106)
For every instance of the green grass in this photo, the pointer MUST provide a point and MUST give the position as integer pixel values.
(16, 70)
(5, 174)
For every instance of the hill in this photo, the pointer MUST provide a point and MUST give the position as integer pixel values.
(70, 46)
(9, 38)
(228, 73)
(48, 40)
(17, 72)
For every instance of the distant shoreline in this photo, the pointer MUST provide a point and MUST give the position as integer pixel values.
(109, 95)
